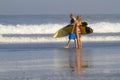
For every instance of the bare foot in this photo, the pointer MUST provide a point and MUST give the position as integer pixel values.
(66, 46)
(78, 47)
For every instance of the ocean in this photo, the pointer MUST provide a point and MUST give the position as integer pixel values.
(28, 50)
(40, 28)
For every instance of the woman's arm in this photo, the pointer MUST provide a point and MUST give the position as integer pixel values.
(73, 29)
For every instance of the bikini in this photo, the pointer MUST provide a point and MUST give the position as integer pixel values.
(79, 31)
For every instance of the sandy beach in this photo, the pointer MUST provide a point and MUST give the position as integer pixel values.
(28, 50)
(50, 61)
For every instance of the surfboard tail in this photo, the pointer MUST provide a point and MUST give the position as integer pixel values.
(60, 33)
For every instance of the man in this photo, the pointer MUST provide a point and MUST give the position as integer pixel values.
(72, 19)
(71, 36)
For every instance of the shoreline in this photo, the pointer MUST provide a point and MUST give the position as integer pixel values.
(38, 45)
(53, 62)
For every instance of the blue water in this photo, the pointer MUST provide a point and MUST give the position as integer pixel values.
(33, 19)
(40, 28)
(44, 19)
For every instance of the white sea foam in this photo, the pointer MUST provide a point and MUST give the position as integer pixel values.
(51, 39)
(102, 27)
(105, 32)
(106, 27)
(30, 29)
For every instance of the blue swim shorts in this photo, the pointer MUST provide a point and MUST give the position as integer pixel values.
(72, 36)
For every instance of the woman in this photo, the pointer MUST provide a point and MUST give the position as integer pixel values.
(77, 31)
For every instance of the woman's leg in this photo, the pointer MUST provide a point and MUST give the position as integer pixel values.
(78, 41)
(76, 44)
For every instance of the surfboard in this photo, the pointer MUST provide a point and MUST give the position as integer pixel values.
(67, 29)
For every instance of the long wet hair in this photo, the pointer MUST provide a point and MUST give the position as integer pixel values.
(78, 18)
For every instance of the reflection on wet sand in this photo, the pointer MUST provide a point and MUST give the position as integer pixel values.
(73, 59)
(80, 64)
(76, 61)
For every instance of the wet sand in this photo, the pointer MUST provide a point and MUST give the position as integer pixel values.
(98, 62)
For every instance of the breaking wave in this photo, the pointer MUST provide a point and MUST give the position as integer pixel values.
(103, 31)
(101, 27)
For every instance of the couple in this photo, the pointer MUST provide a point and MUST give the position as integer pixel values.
(76, 32)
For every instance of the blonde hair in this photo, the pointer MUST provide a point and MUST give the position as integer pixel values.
(72, 14)
(79, 18)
